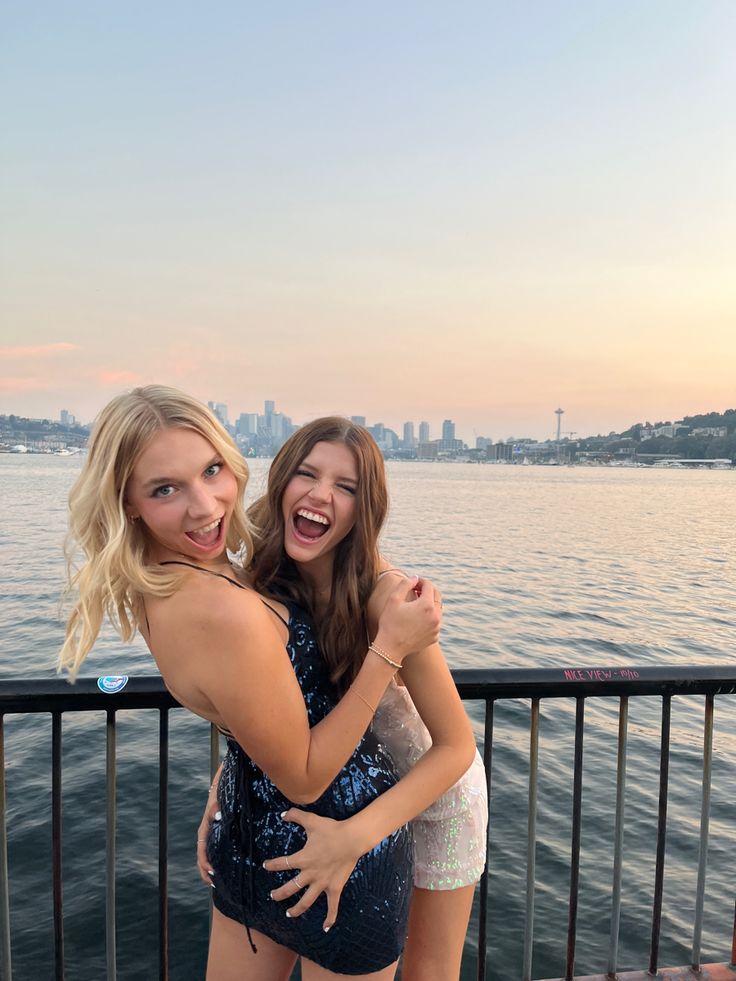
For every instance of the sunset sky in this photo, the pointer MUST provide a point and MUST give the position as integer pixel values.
(478, 211)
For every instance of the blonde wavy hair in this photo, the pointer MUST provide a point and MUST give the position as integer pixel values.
(116, 576)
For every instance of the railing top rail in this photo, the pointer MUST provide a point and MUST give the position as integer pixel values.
(148, 691)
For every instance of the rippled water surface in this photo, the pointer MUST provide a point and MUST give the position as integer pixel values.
(538, 567)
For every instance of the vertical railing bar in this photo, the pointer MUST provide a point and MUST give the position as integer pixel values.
(5, 951)
(664, 767)
(618, 833)
(163, 845)
(733, 938)
(214, 764)
(577, 808)
(56, 846)
(483, 903)
(704, 828)
(531, 841)
(110, 827)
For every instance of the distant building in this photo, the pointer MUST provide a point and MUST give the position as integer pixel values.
(448, 429)
(409, 441)
(358, 420)
(427, 451)
(66, 418)
(220, 410)
(423, 432)
(483, 442)
(247, 424)
(377, 432)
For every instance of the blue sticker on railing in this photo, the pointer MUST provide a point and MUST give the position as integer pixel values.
(112, 683)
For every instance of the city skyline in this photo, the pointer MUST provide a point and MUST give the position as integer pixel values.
(410, 432)
(483, 213)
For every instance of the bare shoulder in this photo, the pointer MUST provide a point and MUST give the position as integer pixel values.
(206, 610)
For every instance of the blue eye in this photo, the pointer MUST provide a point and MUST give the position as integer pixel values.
(166, 491)
(213, 469)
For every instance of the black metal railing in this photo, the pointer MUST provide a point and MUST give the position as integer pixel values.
(57, 697)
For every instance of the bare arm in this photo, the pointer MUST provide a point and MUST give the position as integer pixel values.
(223, 651)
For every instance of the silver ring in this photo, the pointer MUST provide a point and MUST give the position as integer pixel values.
(296, 879)
(288, 863)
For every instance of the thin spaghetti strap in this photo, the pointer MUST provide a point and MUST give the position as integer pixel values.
(275, 613)
(209, 572)
(386, 572)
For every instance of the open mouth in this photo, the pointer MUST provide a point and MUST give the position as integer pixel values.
(309, 525)
(208, 535)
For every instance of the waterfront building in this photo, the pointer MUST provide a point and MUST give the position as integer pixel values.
(428, 450)
(448, 430)
(358, 421)
(423, 432)
(409, 441)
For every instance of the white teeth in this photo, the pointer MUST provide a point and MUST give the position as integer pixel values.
(203, 531)
(319, 518)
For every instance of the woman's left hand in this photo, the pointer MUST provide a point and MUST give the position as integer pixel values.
(323, 865)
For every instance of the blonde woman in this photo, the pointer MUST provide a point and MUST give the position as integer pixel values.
(155, 509)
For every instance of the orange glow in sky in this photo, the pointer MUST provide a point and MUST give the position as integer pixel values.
(479, 212)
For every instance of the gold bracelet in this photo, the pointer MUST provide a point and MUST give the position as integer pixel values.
(384, 655)
(364, 700)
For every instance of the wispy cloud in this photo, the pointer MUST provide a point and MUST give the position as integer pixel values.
(107, 378)
(15, 385)
(37, 350)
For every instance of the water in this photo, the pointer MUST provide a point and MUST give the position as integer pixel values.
(538, 567)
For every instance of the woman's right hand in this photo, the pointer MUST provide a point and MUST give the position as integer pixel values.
(411, 618)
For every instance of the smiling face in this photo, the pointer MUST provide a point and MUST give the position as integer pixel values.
(319, 506)
(184, 494)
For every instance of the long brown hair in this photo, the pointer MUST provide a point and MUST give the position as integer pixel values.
(342, 633)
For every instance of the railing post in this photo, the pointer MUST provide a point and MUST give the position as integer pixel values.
(704, 827)
(531, 842)
(577, 810)
(618, 847)
(483, 903)
(56, 846)
(5, 949)
(110, 850)
(163, 845)
(664, 770)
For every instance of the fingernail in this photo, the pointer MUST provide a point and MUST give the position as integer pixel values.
(326, 929)
(288, 915)
(270, 895)
(212, 884)
(218, 815)
(210, 872)
(282, 815)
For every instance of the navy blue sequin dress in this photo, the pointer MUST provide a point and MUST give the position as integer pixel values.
(370, 929)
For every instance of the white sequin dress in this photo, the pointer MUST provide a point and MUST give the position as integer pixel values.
(450, 836)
